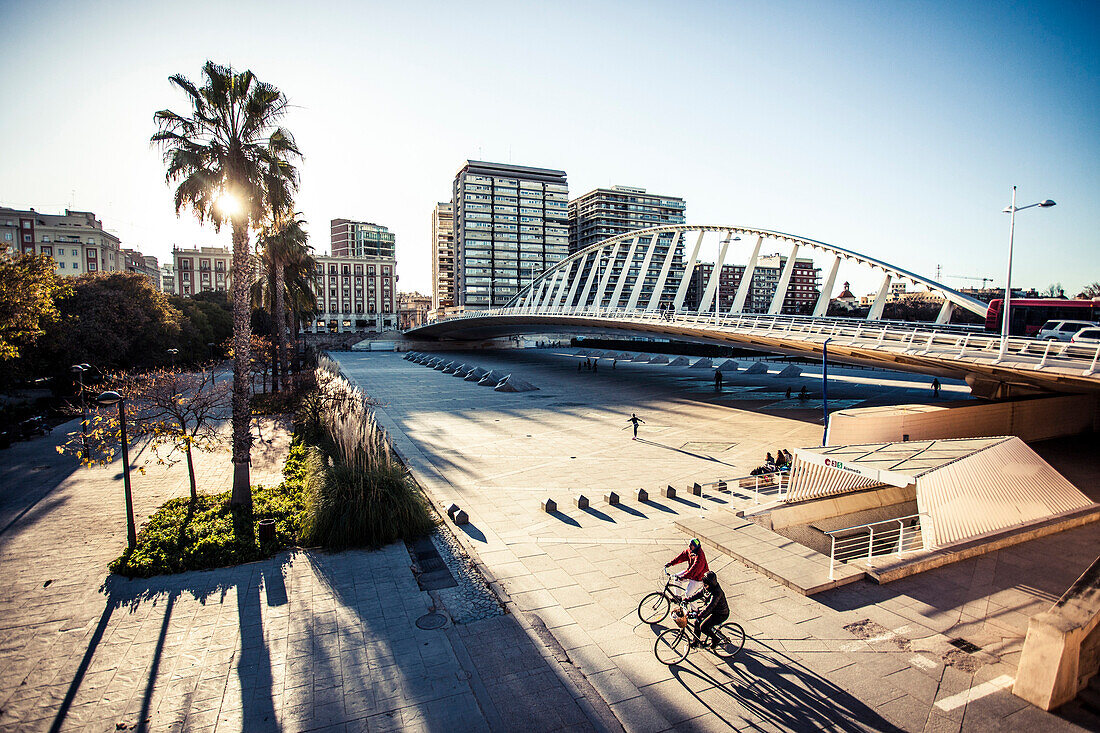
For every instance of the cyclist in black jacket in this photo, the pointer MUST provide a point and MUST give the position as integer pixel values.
(715, 612)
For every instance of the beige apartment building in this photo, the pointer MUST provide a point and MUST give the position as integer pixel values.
(75, 240)
(355, 294)
(443, 258)
(202, 269)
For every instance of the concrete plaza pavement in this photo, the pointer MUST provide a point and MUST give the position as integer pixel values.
(862, 657)
(302, 641)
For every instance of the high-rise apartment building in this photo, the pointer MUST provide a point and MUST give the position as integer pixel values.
(361, 239)
(75, 240)
(443, 257)
(802, 291)
(511, 224)
(605, 212)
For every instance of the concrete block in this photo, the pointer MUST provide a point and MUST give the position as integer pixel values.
(581, 501)
(758, 367)
(549, 506)
(790, 371)
(696, 489)
(611, 498)
(669, 492)
(721, 486)
(461, 517)
(451, 511)
(643, 495)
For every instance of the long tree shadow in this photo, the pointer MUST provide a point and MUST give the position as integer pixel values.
(253, 665)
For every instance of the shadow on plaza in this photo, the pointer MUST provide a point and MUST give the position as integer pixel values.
(772, 687)
(251, 655)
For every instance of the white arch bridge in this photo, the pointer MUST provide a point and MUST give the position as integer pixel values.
(637, 284)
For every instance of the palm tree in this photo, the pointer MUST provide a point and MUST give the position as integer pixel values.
(288, 265)
(232, 163)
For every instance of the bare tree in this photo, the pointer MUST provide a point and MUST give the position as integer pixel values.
(1055, 290)
(178, 412)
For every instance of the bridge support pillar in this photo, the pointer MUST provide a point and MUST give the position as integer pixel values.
(822, 306)
(945, 312)
(877, 307)
(784, 282)
(746, 280)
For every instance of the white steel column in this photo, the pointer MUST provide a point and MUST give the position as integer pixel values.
(715, 275)
(827, 290)
(642, 272)
(592, 271)
(575, 281)
(538, 296)
(528, 297)
(655, 297)
(784, 282)
(945, 312)
(546, 297)
(682, 291)
(555, 303)
(745, 286)
(614, 303)
(875, 313)
(607, 274)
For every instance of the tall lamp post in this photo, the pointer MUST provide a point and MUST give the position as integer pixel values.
(825, 389)
(718, 274)
(1006, 312)
(78, 370)
(111, 398)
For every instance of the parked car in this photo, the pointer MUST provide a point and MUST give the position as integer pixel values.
(1061, 330)
(1089, 335)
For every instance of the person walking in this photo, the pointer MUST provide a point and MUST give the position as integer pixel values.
(635, 421)
(717, 380)
(580, 366)
(936, 387)
(788, 393)
(596, 366)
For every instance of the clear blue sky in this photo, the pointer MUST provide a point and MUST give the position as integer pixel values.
(892, 128)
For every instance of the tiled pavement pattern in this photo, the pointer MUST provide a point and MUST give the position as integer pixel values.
(862, 657)
(303, 641)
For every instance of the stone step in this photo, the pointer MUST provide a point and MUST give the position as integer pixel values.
(773, 555)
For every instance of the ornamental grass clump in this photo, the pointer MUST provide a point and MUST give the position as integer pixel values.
(356, 493)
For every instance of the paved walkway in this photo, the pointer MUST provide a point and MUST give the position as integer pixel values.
(862, 657)
(302, 641)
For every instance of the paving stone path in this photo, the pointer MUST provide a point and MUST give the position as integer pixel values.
(299, 642)
(861, 657)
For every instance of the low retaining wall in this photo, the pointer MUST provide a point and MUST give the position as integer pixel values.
(1062, 647)
(1030, 419)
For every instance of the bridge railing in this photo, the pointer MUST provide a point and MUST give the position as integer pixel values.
(934, 340)
(875, 539)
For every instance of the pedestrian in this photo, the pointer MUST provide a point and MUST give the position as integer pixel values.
(595, 366)
(580, 365)
(635, 421)
(614, 362)
(802, 394)
(717, 380)
(936, 387)
(788, 393)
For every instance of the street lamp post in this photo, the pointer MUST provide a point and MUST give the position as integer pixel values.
(111, 398)
(78, 370)
(825, 389)
(1006, 312)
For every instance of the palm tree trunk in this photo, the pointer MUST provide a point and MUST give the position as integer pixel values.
(242, 372)
(278, 319)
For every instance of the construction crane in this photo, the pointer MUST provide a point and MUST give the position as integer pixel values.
(983, 280)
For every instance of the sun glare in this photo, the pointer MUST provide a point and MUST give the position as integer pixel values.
(228, 204)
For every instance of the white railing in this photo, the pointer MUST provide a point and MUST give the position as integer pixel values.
(929, 340)
(864, 541)
(764, 488)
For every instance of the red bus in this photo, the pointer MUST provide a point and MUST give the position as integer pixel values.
(1029, 314)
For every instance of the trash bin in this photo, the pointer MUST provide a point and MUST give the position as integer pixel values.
(267, 530)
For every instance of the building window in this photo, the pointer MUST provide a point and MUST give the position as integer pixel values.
(61, 265)
(26, 237)
(91, 267)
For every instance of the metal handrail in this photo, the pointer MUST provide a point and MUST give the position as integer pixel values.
(892, 534)
(937, 339)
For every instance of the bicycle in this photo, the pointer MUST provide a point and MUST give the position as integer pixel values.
(673, 645)
(655, 606)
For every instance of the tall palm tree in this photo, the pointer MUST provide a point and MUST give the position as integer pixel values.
(233, 163)
(284, 251)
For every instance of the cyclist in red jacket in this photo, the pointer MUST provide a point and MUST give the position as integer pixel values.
(697, 566)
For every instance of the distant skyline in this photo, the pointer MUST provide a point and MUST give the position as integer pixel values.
(896, 130)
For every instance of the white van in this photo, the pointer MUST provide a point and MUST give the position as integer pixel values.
(1061, 330)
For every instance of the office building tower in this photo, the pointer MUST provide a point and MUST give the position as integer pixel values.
(443, 258)
(605, 212)
(510, 225)
(361, 239)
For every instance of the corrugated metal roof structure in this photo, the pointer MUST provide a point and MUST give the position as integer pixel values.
(965, 488)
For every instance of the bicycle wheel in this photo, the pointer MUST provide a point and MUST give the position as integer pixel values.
(653, 608)
(731, 640)
(672, 646)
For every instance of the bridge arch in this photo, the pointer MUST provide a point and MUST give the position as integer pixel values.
(643, 269)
